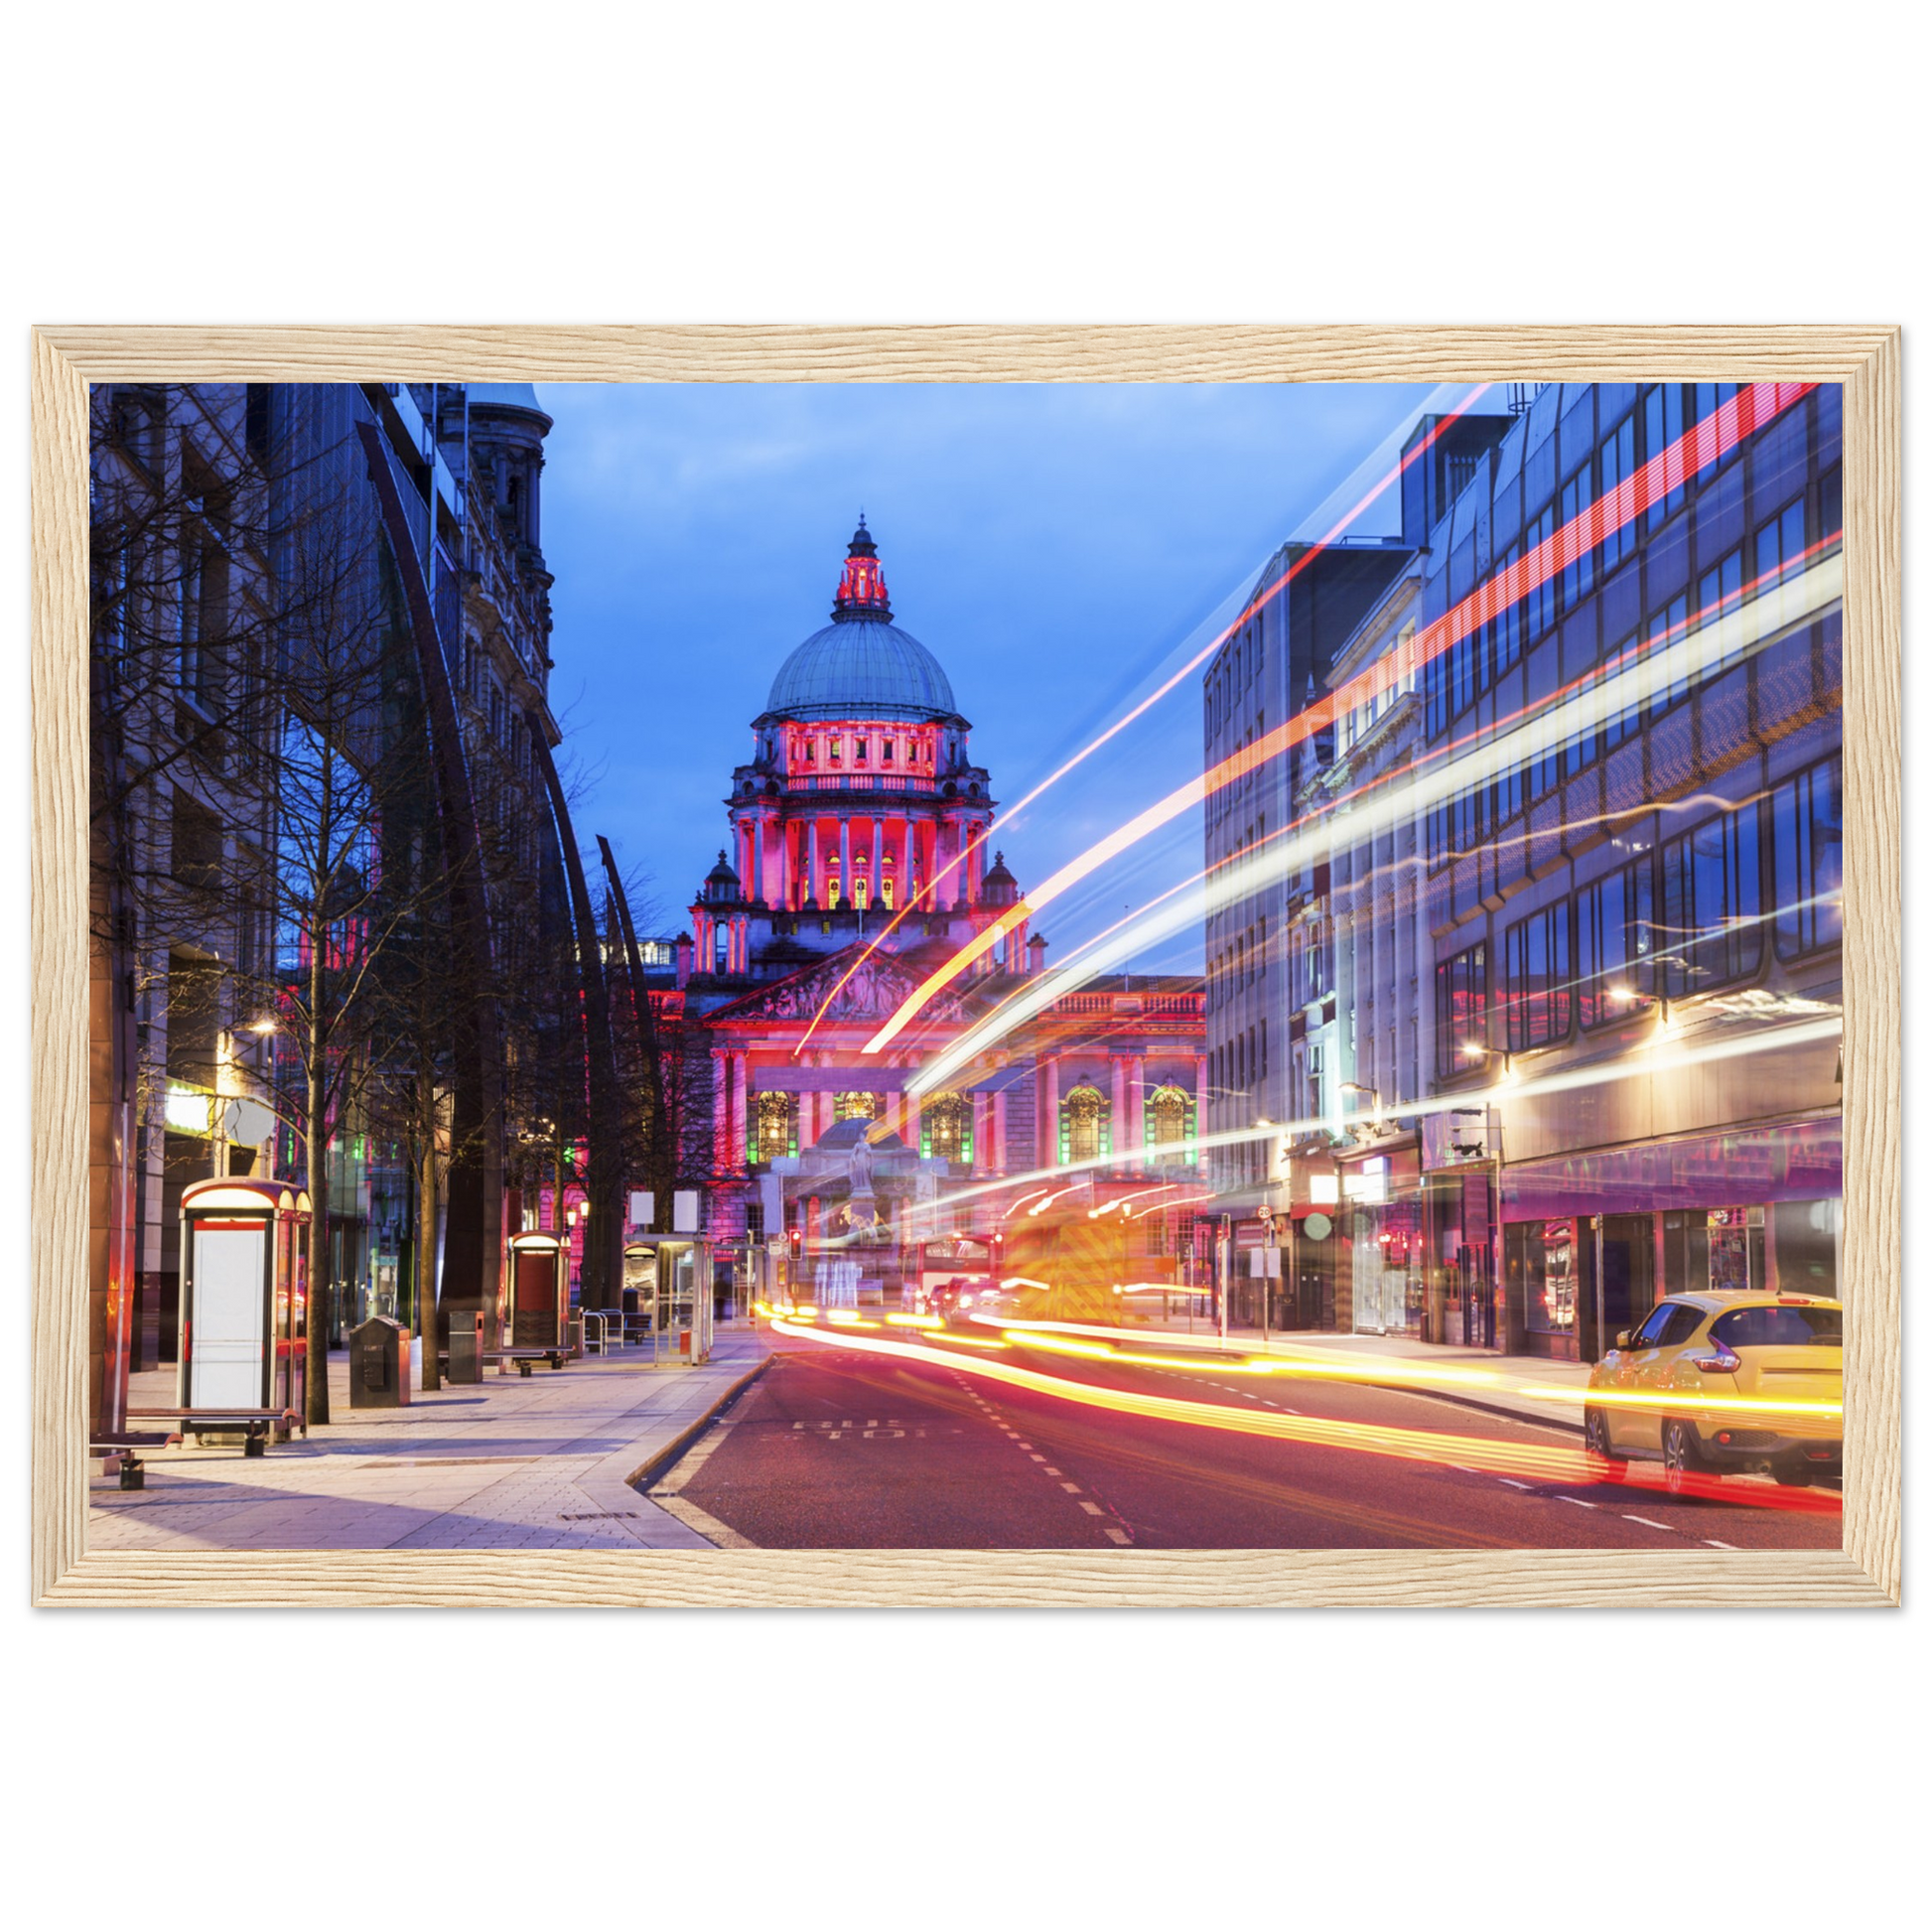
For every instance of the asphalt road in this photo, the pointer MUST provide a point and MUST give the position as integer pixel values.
(832, 1449)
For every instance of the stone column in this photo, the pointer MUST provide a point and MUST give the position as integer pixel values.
(1200, 1098)
(814, 883)
(1049, 1134)
(982, 1133)
(1137, 1107)
(874, 890)
(740, 1109)
(910, 1118)
(1116, 1067)
(757, 891)
(720, 1110)
(1000, 1161)
(845, 860)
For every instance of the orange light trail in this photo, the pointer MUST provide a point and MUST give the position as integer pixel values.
(1495, 747)
(1745, 413)
(1489, 1455)
(1147, 704)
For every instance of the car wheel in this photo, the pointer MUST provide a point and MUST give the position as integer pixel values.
(1597, 1445)
(1682, 1459)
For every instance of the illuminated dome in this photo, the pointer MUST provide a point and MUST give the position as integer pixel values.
(862, 664)
(860, 670)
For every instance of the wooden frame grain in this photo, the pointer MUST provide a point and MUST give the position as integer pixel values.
(1865, 360)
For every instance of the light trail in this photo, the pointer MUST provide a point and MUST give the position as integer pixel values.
(998, 824)
(1659, 1059)
(1704, 442)
(1492, 1455)
(1696, 654)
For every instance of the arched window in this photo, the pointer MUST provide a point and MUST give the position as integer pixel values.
(1085, 1130)
(777, 1126)
(946, 1128)
(1169, 1120)
(854, 1106)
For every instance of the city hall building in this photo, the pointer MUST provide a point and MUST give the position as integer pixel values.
(858, 864)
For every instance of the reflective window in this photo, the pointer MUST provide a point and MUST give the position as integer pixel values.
(1536, 978)
(1711, 397)
(1663, 426)
(1507, 626)
(1461, 1009)
(1579, 576)
(1669, 627)
(1780, 1327)
(1616, 943)
(1808, 861)
(1778, 556)
(1711, 910)
(1616, 460)
(1651, 1333)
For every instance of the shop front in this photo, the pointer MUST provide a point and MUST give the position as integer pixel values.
(1382, 1215)
(1592, 1241)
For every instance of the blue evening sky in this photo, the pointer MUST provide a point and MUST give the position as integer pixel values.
(1055, 546)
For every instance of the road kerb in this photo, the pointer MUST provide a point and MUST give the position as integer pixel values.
(670, 1451)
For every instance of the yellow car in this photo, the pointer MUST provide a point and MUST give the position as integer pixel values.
(1724, 1380)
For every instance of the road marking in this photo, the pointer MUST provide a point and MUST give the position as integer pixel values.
(706, 1525)
(1050, 1472)
(687, 1466)
(1649, 1525)
(1715, 1545)
(1514, 1484)
(1092, 1509)
(1119, 1536)
(1071, 1488)
(1577, 1500)
(1036, 1458)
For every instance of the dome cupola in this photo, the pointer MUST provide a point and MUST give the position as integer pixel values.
(861, 664)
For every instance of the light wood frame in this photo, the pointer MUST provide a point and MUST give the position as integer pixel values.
(1865, 360)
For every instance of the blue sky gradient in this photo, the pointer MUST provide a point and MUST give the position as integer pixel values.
(1055, 546)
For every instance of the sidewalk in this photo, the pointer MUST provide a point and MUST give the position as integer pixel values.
(543, 1463)
(1525, 1387)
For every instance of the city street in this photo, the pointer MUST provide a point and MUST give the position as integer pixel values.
(836, 1449)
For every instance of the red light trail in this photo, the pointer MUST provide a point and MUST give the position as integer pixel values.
(1743, 415)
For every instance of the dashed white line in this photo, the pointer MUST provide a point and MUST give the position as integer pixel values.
(1092, 1509)
(1071, 1488)
(1715, 1545)
(1036, 1458)
(1649, 1525)
(1119, 1536)
(1514, 1484)
(1577, 1500)
(1050, 1471)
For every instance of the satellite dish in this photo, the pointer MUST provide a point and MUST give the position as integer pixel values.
(1318, 1227)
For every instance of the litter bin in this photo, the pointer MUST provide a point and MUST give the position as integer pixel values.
(465, 1345)
(378, 1364)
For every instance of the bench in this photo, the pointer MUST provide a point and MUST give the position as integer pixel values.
(522, 1357)
(119, 1446)
(254, 1422)
(526, 1358)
